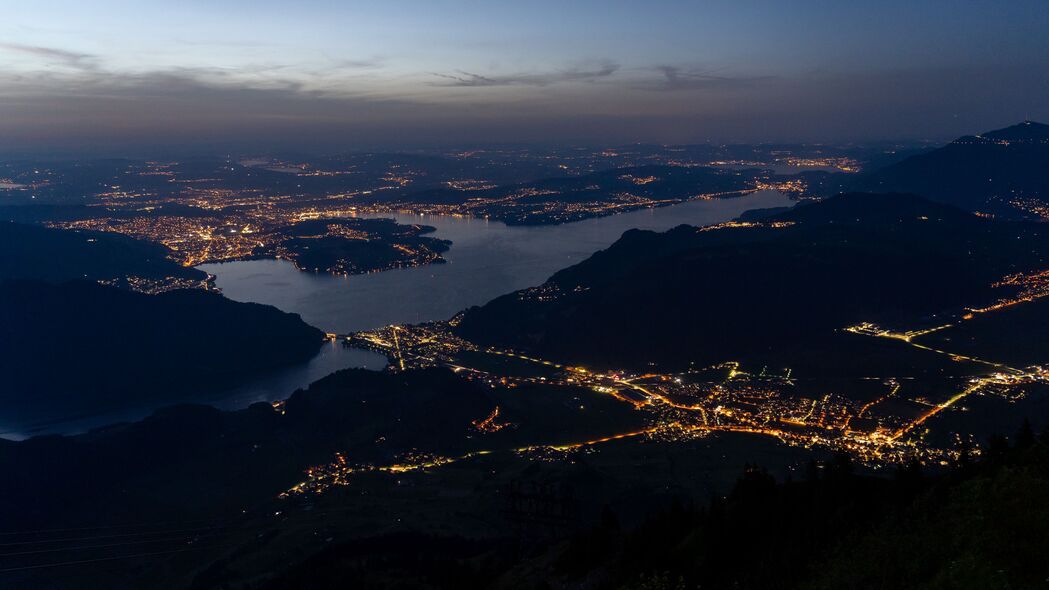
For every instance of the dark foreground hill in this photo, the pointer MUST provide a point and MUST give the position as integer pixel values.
(197, 461)
(982, 524)
(81, 347)
(185, 499)
(1000, 172)
(193, 479)
(783, 287)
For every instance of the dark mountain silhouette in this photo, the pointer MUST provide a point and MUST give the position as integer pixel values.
(83, 347)
(1000, 172)
(56, 255)
(1028, 131)
(739, 293)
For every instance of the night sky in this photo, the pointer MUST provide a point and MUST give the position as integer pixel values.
(413, 73)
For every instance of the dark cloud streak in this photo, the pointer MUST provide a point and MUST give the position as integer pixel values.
(681, 78)
(82, 61)
(464, 79)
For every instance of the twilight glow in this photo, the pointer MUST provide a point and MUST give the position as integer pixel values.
(319, 74)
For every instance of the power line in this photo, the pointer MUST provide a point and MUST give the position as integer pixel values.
(107, 526)
(83, 561)
(91, 538)
(108, 545)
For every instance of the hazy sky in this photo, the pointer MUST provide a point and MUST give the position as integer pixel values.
(404, 73)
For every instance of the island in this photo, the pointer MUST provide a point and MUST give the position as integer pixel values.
(352, 246)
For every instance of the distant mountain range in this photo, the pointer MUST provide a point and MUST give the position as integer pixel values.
(1001, 173)
(566, 199)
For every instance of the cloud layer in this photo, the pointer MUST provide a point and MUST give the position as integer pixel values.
(73, 100)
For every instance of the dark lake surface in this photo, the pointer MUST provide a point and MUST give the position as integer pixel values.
(279, 384)
(487, 259)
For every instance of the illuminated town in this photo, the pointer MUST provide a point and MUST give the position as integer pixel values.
(723, 398)
(219, 212)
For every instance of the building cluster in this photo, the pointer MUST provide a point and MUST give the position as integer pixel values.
(841, 164)
(889, 428)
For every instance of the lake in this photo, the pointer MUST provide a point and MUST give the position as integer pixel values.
(487, 259)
